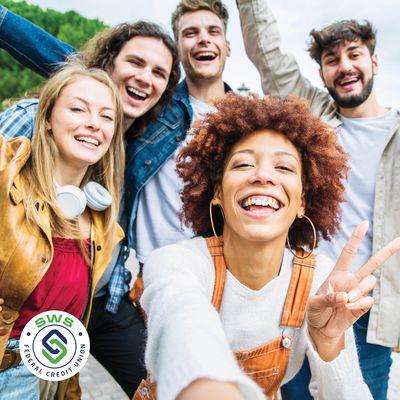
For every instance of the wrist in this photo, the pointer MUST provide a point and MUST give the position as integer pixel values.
(327, 347)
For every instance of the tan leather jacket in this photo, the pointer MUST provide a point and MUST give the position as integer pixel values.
(26, 251)
(281, 76)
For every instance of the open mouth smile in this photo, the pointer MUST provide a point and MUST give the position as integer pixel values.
(88, 140)
(136, 94)
(260, 205)
(204, 56)
(347, 82)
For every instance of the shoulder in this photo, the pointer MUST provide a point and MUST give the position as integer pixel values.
(14, 153)
(19, 119)
(188, 256)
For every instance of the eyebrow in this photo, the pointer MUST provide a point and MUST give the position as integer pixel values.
(87, 103)
(277, 153)
(333, 52)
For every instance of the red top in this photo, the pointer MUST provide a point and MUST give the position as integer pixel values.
(64, 287)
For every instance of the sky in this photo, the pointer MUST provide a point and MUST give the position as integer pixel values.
(295, 21)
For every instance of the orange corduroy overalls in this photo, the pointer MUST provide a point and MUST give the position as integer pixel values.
(265, 364)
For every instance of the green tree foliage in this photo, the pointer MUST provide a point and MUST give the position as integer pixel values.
(70, 27)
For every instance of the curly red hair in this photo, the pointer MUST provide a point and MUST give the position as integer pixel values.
(324, 163)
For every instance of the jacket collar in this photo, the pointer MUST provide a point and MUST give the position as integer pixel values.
(182, 91)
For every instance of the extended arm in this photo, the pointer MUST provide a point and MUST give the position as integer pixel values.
(32, 46)
(186, 341)
(280, 73)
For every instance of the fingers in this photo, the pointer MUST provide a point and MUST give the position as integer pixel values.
(350, 249)
(362, 289)
(332, 300)
(378, 259)
(360, 307)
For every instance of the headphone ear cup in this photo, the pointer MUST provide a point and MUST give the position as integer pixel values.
(71, 200)
(98, 198)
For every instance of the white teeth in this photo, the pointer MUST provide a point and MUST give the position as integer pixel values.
(205, 54)
(265, 201)
(88, 140)
(136, 92)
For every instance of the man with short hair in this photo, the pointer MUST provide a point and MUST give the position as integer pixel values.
(370, 133)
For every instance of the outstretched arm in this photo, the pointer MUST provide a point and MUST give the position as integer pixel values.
(32, 46)
(280, 73)
(187, 351)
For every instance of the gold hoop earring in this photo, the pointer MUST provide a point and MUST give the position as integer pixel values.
(212, 203)
(314, 241)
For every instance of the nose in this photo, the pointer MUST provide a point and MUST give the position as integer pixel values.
(264, 175)
(345, 64)
(204, 37)
(144, 77)
(93, 122)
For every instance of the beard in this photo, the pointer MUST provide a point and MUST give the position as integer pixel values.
(353, 100)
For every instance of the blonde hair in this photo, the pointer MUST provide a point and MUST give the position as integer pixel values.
(38, 172)
(186, 6)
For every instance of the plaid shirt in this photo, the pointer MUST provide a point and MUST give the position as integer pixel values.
(19, 120)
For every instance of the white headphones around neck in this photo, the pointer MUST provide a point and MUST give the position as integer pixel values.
(72, 200)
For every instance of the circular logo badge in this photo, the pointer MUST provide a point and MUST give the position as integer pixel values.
(54, 345)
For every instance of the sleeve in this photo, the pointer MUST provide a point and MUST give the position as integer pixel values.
(280, 73)
(186, 340)
(32, 46)
(19, 119)
(339, 379)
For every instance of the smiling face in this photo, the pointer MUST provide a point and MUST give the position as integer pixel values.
(141, 72)
(82, 123)
(202, 45)
(261, 190)
(347, 71)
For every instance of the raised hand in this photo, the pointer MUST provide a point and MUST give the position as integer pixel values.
(344, 296)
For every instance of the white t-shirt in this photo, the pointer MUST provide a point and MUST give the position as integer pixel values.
(188, 339)
(365, 140)
(158, 220)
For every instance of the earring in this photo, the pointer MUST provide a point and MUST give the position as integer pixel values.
(314, 241)
(214, 202)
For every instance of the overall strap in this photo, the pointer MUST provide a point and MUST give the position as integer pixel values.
(299, 290)
(216, 249)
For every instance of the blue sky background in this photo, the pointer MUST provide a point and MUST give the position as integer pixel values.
(295, 18)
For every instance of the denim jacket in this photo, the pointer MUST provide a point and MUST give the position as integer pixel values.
(145, 155)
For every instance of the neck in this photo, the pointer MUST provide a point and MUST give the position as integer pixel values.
(128, 122)
(66, 174)
(254, 264)
(206, 90)
(369, 109)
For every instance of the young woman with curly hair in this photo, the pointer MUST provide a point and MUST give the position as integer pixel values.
(265, 175)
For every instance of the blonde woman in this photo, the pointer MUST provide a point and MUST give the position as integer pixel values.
(51, 254)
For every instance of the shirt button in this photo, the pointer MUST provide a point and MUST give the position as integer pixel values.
(148, 162)
(144, 391)
(43, 260)
(177, 138)
(286, 342)
(98, 248)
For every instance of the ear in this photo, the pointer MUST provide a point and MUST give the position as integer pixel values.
(228, 48)
(302, 209)
(375, 65)
(217, 195)
(48, 126)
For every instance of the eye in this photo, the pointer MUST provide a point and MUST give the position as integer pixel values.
(108, 117)
(243, 165)
(159, 74)
(355, 55)
(77, 109)
(215, 31)
(284, 168)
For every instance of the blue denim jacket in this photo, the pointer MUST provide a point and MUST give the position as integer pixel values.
(41, 52)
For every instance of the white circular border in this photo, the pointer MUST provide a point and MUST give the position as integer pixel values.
(81, 347)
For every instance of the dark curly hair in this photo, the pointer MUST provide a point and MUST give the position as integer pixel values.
(324, 163)
(339, 32)
(103, 48)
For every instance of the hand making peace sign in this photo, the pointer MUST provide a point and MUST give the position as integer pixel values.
(344, 296)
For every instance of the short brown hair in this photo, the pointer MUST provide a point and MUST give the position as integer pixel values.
(201, 162)
(103, 48)
(340, 32)
(185, 6)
